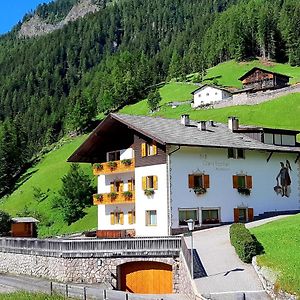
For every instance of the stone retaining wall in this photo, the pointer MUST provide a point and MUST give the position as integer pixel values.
(268, 279)
(79, 270)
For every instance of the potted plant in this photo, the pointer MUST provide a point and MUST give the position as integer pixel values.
(244, 191)
(113, 195)
(126, 162)
(199, 190)
(98, 166)
(149, 192)
(112, 165)
(127, 194)
(98, 197)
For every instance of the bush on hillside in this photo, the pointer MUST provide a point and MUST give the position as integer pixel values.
(5, 223)
(243, 242)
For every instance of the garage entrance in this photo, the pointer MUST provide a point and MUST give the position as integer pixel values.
(146, 277)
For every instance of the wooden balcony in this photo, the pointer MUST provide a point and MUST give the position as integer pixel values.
(113, 198)
(113, 167)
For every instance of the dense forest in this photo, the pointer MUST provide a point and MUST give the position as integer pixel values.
(59, 82)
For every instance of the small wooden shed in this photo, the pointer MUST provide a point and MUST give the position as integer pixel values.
(24, 227)
(259, 79)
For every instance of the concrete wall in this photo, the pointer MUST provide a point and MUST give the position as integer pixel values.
(221, 193)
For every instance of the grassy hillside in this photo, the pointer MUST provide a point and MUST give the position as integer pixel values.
(281, 240)
(227, 73)
(46, 176)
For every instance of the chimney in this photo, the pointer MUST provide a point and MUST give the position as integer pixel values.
(201, 125)
(185, 120)
(233, 123)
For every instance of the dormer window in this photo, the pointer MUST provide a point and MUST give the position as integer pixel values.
(236, 153)
(280, 139)
(148, 149)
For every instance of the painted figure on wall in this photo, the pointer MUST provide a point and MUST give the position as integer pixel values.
(284, 180)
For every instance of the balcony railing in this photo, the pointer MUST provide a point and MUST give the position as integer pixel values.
(149, 246)
(112, 167)
(114, 198)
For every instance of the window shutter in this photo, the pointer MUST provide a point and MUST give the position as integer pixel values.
(191, 181)
(144, 182)
(154, 149)
(121, 218)
(112, 187)
(112, 218)
(121, 187)
(236, 214)
(129, 187)
(206, 181)
(143, 149)
(250, 214)
(155, 182)
(130, 221)
(235, 180)
(133, 217)
(249, 182)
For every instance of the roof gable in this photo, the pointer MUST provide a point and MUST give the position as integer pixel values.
(263, 70)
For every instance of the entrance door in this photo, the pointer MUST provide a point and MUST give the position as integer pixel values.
(146, 278)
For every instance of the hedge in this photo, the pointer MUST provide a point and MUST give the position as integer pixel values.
(243, 242)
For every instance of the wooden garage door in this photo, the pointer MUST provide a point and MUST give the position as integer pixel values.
(146, 278)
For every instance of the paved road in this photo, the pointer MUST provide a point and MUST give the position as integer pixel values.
(10, 283)
(227, 277)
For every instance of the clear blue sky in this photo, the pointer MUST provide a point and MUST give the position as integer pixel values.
(12, 11)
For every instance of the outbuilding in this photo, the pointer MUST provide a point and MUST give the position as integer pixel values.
(24, 227)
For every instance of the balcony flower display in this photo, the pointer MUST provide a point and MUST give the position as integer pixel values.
(112, 165)
(149, 192)
(126, 162)
(199, 190)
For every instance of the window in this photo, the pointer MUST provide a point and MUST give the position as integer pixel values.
(151, 218)
(210, 216)
(242, 181)
(199, 95)
(236, 153)
(116, 217)
(207, 94)
(149, 182)
(186, 214)
(198, 180)
(148, 149)
(131, 217)
(131, 185)
(280, 139)
(113, 155)
(116, 187)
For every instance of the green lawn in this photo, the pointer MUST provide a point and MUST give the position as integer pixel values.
(46, 175)
(230, 71)
(29, 296)
(281, 242)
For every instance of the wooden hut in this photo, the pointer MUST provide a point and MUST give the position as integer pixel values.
(260, 79)
(24, 227)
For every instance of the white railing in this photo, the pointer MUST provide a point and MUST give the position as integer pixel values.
(153, 246)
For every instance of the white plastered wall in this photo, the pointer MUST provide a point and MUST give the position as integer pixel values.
(208, 95)
(156, 202)
(221, 193)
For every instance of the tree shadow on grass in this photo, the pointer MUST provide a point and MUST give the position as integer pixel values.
(259, 247)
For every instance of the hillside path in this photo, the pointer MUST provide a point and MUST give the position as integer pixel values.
(227, 276)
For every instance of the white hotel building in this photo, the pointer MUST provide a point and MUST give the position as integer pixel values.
(155, 173)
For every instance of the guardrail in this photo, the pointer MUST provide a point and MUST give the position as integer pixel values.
(83, 248)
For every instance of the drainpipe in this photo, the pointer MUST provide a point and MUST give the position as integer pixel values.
(169, 188)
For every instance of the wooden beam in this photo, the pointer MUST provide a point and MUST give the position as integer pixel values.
(270, 155)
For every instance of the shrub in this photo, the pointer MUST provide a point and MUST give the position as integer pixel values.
(5, 223)
(243, 242)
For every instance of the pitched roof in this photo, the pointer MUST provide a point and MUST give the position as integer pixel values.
(171, 131)
(263, 70)
(25, 220)
(209, 85)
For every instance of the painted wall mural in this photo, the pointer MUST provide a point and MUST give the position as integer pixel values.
(283, 180)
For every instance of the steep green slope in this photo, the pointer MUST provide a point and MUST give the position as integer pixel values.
(46, 176)
(280, 240)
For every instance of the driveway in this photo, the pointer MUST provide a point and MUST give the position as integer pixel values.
(225, 276)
